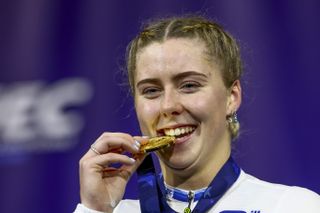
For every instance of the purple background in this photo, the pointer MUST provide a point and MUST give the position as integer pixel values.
(49, 41)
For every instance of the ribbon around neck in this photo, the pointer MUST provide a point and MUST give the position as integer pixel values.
(152, 191)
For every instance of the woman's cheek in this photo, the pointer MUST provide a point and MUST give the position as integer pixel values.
(199, 107)
(147, 113)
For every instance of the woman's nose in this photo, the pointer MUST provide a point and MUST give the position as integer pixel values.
(170, 104)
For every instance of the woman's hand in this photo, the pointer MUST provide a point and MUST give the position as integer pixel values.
(101, 185)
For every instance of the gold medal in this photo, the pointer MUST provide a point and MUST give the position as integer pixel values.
(157, 143)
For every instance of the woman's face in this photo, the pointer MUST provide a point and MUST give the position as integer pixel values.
(179, 92)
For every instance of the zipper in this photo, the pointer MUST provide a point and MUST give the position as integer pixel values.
(190, 199)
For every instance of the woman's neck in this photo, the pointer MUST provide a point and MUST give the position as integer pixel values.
(200, 176)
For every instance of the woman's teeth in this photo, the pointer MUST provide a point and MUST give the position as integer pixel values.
(179, 131)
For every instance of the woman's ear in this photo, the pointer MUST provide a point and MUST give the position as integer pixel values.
(234, 97)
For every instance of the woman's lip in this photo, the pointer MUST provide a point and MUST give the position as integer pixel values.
(183, 139)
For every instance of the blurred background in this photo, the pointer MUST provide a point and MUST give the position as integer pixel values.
(61, 64)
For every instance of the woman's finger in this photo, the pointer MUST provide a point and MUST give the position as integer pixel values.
(107, 159)
(113, 142)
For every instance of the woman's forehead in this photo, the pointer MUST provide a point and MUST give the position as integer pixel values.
(173, 55)
(182, 46)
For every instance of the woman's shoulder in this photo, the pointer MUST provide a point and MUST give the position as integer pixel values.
(283, 197)
(255, 183)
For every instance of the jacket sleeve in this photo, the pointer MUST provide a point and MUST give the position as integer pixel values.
(297, 200)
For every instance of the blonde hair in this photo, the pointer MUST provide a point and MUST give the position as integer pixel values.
(221, 47)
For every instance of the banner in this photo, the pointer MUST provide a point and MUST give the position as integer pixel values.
(62, 85)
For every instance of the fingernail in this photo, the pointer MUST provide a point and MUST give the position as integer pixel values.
(137, 143)
(132, 159)
(145, 136)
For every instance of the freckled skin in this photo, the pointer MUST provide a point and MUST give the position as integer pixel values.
(204, 103)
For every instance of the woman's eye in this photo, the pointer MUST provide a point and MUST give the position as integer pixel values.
(151, 92)
(190, 86)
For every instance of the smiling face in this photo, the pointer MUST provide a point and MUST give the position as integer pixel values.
(179, 92)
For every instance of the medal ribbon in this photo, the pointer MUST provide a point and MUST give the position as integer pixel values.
(153, 192)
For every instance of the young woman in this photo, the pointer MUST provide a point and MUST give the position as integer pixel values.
(184, 75)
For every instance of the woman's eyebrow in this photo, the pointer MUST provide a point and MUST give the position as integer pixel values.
(148, 80)
(187, 74)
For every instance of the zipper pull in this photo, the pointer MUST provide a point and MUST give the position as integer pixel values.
(190, 199)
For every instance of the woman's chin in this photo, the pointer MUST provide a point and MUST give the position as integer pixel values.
(179, 157)
(178, 163)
